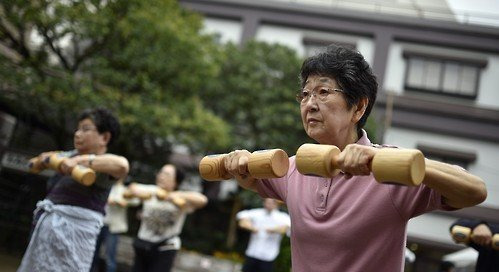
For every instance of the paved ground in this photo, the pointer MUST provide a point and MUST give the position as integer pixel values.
(9, 263)
(185, 262)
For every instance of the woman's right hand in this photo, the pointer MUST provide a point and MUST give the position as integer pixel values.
(236, 164)
(482, 235)
(44, 157)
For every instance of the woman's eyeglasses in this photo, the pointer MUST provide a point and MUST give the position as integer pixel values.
(321, 93)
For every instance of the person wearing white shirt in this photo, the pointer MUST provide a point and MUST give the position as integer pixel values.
(115, 223)
(163, 216)
(267, 226)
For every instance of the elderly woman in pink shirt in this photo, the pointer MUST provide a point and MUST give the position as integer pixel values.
(351, 222)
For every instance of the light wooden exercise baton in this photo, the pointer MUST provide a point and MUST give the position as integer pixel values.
(402, 166)
(161, 194)
(463, 235)
(81, 174)
(272, 163)
(36, 165)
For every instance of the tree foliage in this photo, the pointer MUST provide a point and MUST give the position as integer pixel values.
(256, 95)
(143, 59)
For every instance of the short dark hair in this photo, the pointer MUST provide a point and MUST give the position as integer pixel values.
(104, 120)
(446, 265)
(350, 70)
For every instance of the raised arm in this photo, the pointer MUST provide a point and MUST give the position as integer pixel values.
(245, 223)
(458, 187)
(114, 165)
(236, 164)
(193, 199)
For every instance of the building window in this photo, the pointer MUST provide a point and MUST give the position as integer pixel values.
(461, 158)
(314, 46)
(443, 75)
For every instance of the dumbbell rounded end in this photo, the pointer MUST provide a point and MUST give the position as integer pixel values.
(161, 194)
(127, 194)
(495, 241)
(212, 168)
(83, 175)
(403, 166)
(319, 160)
(461, 234)
(35, 166)
(273, 163)
(54, 161)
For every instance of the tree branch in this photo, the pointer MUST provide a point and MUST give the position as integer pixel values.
(55, 49)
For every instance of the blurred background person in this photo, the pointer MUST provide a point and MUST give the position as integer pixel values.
(267, 226)
(67, 222)
(481, 240)
(115, 224)
(162, 218)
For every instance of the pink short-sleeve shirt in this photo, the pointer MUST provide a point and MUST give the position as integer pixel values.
(348, 224)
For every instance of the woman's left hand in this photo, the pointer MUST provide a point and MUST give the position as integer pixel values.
(356, 159)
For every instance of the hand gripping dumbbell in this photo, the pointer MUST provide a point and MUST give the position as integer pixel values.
(460, 234)
(161, 194)
(81, 174)
(36, 165)
(463, 235)
(273, 163)
(393, 165)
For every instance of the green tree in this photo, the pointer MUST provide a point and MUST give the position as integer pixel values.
(256, 96)
(143, 59)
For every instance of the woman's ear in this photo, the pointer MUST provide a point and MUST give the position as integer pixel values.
(106, 137)
(360, 109)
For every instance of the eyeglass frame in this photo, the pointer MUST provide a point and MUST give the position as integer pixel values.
(85, 129)
(301, 99)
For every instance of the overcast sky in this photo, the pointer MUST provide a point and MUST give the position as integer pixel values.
(476, 11)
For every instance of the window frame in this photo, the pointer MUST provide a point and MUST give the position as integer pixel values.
(479, 65)
(457, 157)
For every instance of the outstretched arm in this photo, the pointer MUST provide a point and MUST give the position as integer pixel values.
(236, 164)
(246, 224)
(193, 199)
(458, 187)
(114, 165)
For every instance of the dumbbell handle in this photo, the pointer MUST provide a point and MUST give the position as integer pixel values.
(463, 235)
(402, 166)
(161, 194)
(81, 174)
(36, 165)
(273, 163)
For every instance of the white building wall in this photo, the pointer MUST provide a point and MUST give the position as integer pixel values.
(228, 30)
(487, 153)
(293, 38)
(488, 94)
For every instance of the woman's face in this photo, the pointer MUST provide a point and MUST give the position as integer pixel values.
(166, 178)
(87, 140)
(328, 120)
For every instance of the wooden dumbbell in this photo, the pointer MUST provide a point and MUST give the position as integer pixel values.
(463, 235)
(36, 165)
(273, 163)
(81, 174)
(401, 166)
(460, 234)
(161, 194)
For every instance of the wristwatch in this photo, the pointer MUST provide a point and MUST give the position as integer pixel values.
(91, 158)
